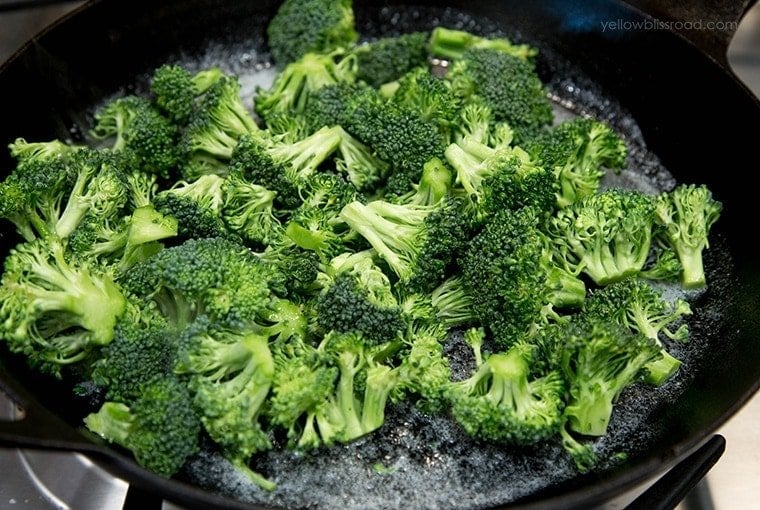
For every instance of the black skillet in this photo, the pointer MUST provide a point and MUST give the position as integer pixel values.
(667, 87)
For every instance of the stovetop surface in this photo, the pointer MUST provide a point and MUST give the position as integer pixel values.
(23, 474)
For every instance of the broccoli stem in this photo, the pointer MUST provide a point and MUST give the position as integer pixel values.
(566, 290)
(257, 478)
(348, 364)
(591, 415)
(380, 381)
(693, 276)
(660, 370)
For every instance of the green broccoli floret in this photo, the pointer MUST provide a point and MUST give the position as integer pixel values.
(291, 91)
(638, 306)
(284, 167)
(578, 151)
(599, 360)
(360, 299)
(418, 243)
(231, 370)
(220, 120)
(303, 26)
(687, 213)
(508, 85)
(453, 303)
(303, 381)
(500, 402)
(313, 226)
(433, 187)
(139, 128)
(248, 210)
(451, 44)
(131, 241)
(176, 91)
(53, 310)
(140, 353)
(387, 59)
(608, 234)
(663, 264)
(497, 179)
(424, 370)
(214, 277)
(362, 168)
(197, 207)
(332, 105)
(422, 91)
(33, 196)
(299, 268)
(511, 278)
(160, 428)
(346, 414)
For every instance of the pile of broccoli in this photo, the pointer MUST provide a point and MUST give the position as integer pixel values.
(276, 275)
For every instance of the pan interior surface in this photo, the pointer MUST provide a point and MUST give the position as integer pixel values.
(419, 461)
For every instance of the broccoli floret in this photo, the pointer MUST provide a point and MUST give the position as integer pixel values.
(387, 59)
(197, 207)
(360, 299)
(578, 151)
(176, 91)
(453, 303)
(397, 135)
(313, 225)
(248, 210)
(500, 402)
(687, 213)
(53, 310)
(608, 234)
(433, 187)
(139, 128)
(231, 371)
(215, 277)
(663, 265)
(599, 360)
(512, 280)
(303, 26)
(362, 168)
(508, 85)
(638, 306)
(33, 196)
(139, 354)
(422, 91)
(160, 428)
(451, 44)
(220, 120)
(346, 415)
(418, 243)
(299, 268)
(291, 91)
(132, 241)
(498, 179)
(284, 167)
(424, 370)
(303, 381)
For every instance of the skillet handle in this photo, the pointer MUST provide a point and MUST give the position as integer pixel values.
(707, 24)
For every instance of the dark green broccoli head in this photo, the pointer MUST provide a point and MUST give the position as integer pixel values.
(508, 85)
(420, 90)
(500, 402)
(608, 234)
(176, 90)
(303, 26)
(160, 428)
(138, 127)
(387, 59)
(205, 276)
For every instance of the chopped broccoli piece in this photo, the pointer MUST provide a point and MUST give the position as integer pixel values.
(303, 26)
(608, 234)
(176, 91)
(500, 402)
(159, 428)
(54, 310)
(687, 213)
(451, 44)
(387, 59)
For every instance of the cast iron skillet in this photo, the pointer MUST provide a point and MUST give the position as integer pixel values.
(691, 111)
